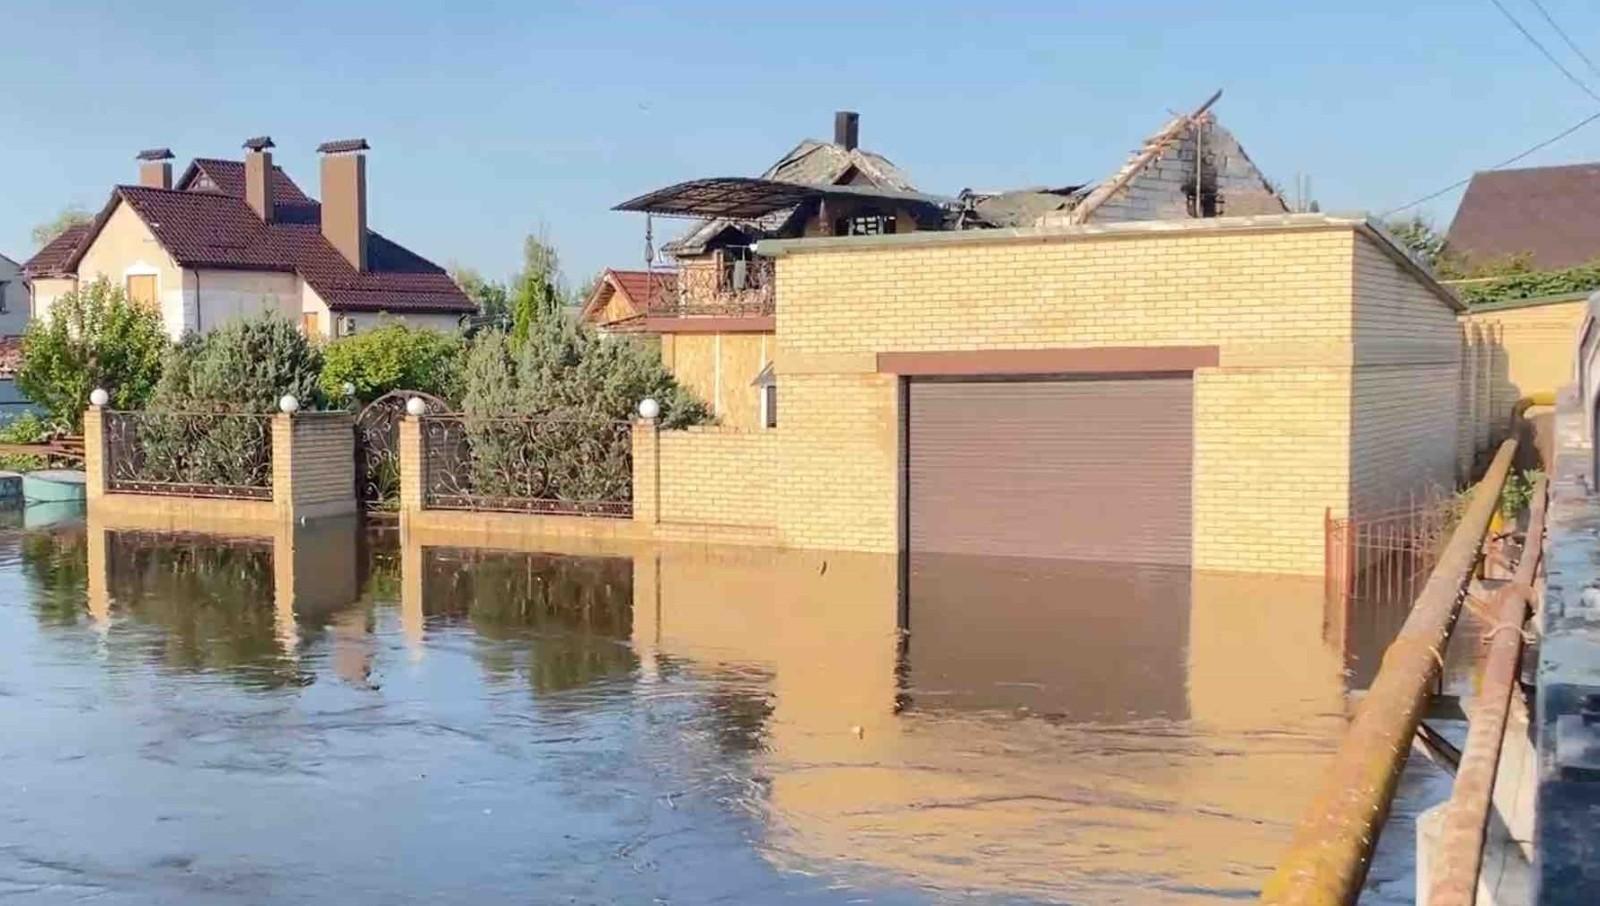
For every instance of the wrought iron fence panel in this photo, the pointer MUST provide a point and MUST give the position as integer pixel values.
(1388, 556)
(378, 447)
(574, 466)
(189, 454)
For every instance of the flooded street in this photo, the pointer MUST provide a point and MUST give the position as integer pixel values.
(335, 715)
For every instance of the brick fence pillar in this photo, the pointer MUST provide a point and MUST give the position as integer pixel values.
(646, 471)
(94, 452)
(412, 465)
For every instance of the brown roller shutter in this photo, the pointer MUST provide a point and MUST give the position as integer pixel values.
(1083, 469)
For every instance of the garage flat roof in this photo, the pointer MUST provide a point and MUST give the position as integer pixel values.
(1265, 223)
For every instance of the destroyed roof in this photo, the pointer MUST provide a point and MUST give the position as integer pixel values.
(745, 199)
(1551, 214)
(810, 163)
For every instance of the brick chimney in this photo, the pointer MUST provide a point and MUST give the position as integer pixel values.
(258, 176)
(846, 129)
(155, 168)
(344, 198)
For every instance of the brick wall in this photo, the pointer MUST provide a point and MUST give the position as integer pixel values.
(1535, 344)
(321, 470)
(1274, 422)
(1404, 390)
(718, 476)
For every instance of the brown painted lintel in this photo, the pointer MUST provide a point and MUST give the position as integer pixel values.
(697, 324)
(1084, 360)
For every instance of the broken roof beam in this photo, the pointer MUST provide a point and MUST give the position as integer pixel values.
(1154, 146)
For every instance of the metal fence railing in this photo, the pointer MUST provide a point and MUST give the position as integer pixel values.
(189, 454)
(1387, 556)
(572, 466)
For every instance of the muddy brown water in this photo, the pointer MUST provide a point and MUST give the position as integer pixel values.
(334, 716)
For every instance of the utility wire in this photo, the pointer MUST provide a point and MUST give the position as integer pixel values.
(1566, 37)
(1582, 85)
(1503, 164)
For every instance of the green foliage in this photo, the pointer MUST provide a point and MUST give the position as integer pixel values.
(1518, 281)
(534, 301)
(1418, 235)
(582, 389)
(566, 369)
(1518, 492)
(94, 337)
(69, 217)
(26, 428)
(394, 356)
(492, 297)
(245, 366)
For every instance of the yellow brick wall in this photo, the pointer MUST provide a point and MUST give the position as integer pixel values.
(1535, 346)
(718, 476)
(1273, 423)
(1403, 410)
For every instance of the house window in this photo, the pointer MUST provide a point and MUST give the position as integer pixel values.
(142, 288)
(309, 323)
(864, 225)
(769, 405)
(5, 287)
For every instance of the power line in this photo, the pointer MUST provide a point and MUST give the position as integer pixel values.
(1565, 37)
(1582, 85)
(1502, 165)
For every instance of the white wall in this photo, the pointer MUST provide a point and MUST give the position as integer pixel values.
(218, 297)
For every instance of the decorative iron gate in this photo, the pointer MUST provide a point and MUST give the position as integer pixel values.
(378, 447)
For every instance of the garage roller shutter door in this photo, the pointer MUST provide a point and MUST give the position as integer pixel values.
(1080, 469)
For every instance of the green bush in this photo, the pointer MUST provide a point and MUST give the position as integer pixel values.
(198, 429)
(245, 366)
(93, 337)
(393, 356)
(582, 389)
(27, 428)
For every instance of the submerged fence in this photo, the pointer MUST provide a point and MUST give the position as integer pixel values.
(1387, 556)
(554, 466)
(189, 454)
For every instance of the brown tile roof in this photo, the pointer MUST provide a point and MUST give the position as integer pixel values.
(213, 230)
(641, 287)
(52, 260)
(212, 227)
(1552, 213)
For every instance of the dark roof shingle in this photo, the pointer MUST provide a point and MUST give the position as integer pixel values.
(216, 230)
(53, 259)
(1549, 213)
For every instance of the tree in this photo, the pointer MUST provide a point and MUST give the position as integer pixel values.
(538, 292)
(246, 365)
(70, 216)
(492, 297)
(393, 356)
(93, 337)
(1417, 234)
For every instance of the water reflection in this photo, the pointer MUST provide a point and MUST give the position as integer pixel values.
(681, 723)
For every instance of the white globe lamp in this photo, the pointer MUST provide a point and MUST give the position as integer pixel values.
(99, 398)
(415, 407)
(649, 409)
(288, 405)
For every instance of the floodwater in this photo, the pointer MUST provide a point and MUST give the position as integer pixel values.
(330, 715)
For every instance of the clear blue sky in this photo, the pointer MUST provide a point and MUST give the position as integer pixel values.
(488, 119)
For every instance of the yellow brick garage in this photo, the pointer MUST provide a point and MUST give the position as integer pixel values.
(1334, 388)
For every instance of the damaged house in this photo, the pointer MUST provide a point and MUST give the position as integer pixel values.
(712, 302)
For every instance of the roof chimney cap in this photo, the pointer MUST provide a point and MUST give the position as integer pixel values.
(846, 129)
(155, 154)
(344, 146)
(259, 143)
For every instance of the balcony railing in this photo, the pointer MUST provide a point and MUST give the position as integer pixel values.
(729, 288)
